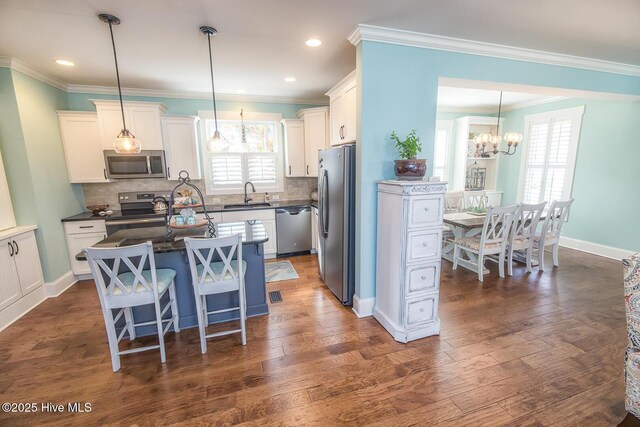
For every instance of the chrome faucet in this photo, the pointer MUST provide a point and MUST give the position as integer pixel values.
(247, 199)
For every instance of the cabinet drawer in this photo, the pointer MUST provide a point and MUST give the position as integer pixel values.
(249, 215)
(91, 226)
(422, 310)
(424, 244)
(424, 278)
(425, 211)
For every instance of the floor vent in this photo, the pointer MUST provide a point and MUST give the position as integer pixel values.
(275, 296)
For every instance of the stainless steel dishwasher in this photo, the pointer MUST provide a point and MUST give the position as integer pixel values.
(293, 229)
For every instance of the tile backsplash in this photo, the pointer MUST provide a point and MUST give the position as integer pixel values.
(294, 189)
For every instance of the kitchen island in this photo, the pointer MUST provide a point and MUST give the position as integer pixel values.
(172, 254)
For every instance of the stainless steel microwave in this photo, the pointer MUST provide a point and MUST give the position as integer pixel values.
(145, 164)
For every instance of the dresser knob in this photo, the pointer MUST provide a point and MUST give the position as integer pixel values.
(425, 244)
(422, 309)
(424, 277)
(426, 209)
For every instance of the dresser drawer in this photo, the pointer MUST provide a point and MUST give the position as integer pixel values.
(423, 278)
(90, 226)
(424, 244)
(425, 211)
(421, 310)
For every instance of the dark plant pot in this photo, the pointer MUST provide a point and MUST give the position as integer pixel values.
(411, 169)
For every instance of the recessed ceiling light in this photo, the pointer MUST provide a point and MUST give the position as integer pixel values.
(289, 79)
(241, 91)
(64, 62)
(313, 42)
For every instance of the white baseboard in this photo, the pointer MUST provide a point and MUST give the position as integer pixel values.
(61, 284)
(363, 307)
(21, 307)
(594, 248)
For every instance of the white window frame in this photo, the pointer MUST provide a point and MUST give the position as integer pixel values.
(575, 115)
(447, 126)
(248, 116)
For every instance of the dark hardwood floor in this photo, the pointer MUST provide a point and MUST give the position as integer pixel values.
(536, 349)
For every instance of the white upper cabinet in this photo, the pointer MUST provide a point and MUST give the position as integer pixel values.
(82, 146)
(294, 147)
(316, 136)
(343, 111)
(142, 119)
(7, 218)
(181, 146)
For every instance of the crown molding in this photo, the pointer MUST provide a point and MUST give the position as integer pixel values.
(161, 93)
(20, 66)
(431, 41)
(14, 64)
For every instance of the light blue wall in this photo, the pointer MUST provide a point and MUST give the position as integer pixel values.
(37, 172)
(607, 169)
(399, 86)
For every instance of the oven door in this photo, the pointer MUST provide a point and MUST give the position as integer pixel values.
(126, 224)
(146, 164)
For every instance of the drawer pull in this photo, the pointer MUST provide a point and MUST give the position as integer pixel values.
(425, 244)
(423, 277)
(86, 226)
(426, 209)
(422, 309)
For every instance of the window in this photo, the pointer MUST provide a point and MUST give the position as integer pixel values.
(259, 160)
(549, 159)
(442, 149)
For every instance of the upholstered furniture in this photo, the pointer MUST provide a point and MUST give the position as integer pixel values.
(631, 267)
(549, 235)
(122, 284)
(212, 277)
(408, 257)
(492, 241)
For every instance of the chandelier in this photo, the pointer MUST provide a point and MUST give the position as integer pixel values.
(493, 141)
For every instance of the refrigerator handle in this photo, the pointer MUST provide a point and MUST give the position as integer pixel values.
(325, 204)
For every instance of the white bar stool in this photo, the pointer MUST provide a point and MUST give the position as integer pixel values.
(211, 278)
(129, 289)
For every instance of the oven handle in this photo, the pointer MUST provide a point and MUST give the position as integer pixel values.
(149, 165)
(136, 221)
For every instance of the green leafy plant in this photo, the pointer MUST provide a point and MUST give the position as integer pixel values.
(409, 147)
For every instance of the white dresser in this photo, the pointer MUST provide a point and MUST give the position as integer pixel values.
(408, 257)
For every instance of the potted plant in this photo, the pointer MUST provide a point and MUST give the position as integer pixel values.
(409, 167)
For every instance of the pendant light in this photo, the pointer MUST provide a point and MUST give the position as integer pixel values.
(244, 130)
(216, 142)
(511, 138)
(126, 142)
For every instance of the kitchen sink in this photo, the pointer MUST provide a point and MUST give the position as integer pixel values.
(247, 205)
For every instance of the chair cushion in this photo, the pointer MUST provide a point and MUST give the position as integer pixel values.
(164, 275)
(217, 268)
(474, 243)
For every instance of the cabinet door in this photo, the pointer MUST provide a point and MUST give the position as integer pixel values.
(271, 247)
(76, 243)
(294, 147)
(145, 125)
(181, 147)
(349, 114)
(336, 107)
(110, 124)
(315, 139)
(9, 284)
(83, 149)
(28, 262)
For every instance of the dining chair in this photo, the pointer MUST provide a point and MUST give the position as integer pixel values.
(551, 229)
(493, 239)
(523, 232)
(124, 283)
(475, 200)
(211, 277)
(454, 202)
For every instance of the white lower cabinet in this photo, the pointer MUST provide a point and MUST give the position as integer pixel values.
(80, 235)
(20, 270)
(408, 258)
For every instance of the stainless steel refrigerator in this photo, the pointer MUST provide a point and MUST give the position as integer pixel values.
(336, 220)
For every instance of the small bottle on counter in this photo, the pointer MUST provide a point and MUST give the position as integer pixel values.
(267, 197)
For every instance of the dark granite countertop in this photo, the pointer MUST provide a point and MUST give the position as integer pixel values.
(117, 215)
(253, 232)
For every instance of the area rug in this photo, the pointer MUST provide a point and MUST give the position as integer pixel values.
(280, 270)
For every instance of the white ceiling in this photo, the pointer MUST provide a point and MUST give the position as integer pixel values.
(260, 42)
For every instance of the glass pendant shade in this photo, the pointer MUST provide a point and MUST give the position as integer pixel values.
(513, 138)
(126, 143)
(217, 143)
(486, 138)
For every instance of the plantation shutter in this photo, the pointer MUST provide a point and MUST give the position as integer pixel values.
(226, 169)
(261, 168)
(536, 159)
